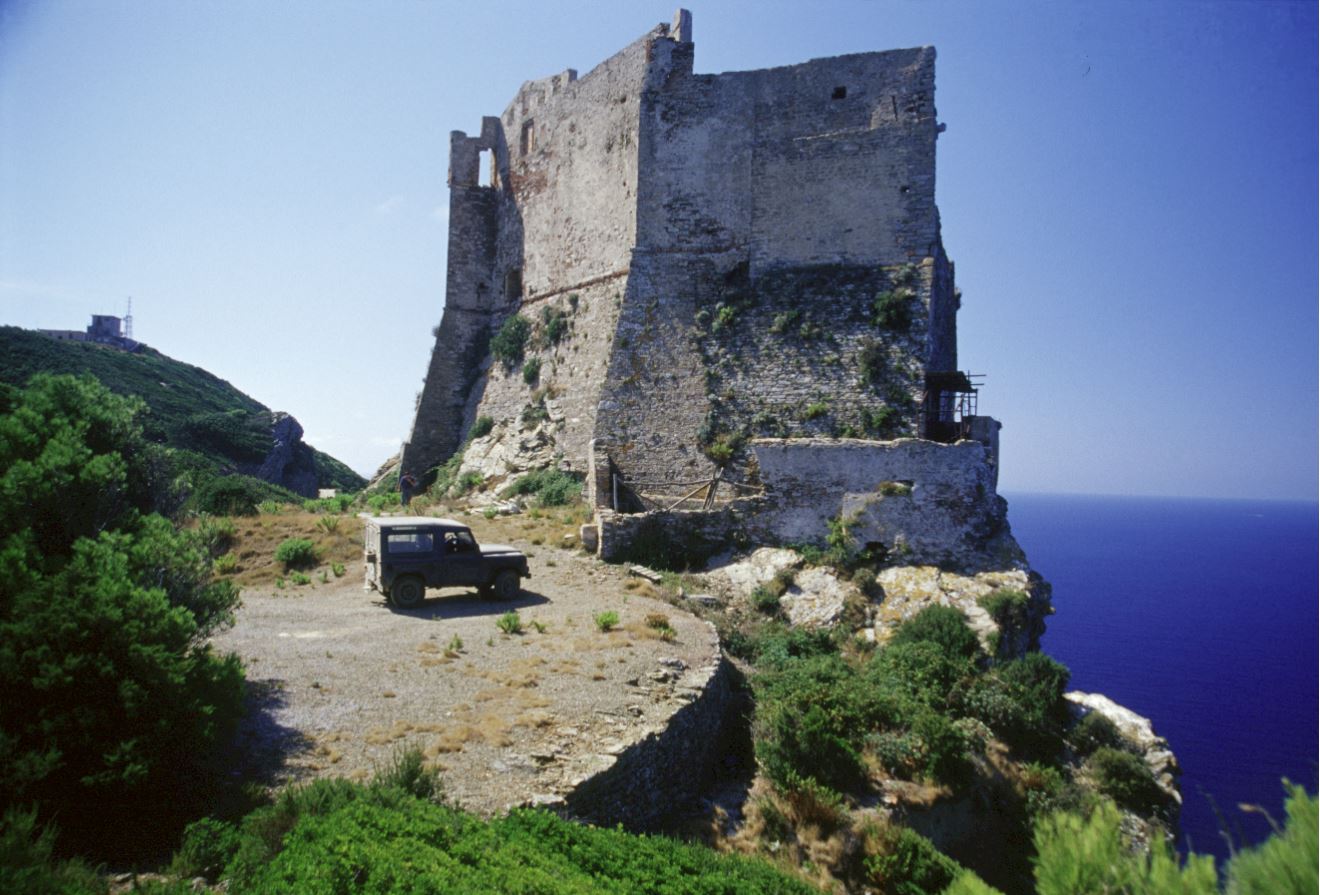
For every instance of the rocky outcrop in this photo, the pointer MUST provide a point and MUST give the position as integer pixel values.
(290, 463)
(909, 589)
(818, 597)
(1139, 734)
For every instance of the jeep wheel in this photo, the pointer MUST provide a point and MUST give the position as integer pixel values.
(408, 593)
(506, 585)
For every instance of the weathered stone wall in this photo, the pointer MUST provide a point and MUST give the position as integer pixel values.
(924, 502)
(738, 160)
(571, 178)
(552, 418)
(668, 767)
(744, 225)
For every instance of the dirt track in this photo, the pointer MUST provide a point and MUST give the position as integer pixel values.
(341, 681)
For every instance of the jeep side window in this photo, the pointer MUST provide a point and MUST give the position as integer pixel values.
(464, 542)
(410, 542)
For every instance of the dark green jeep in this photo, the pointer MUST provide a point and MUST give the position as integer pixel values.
(405, 555)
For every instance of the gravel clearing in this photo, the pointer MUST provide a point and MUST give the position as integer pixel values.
(341, 682)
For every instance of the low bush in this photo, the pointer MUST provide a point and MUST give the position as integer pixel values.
(509, 623)
(481, 427)
(944, 626)
(606, 621)
(1022, 701)
(551, 487)
(28, 865)
(765, 599)
(225, 564)
(208, 845)
(893, 310)
(901, 862)
(1007, 607)
(216, 534)
(554, 325)
(510, 340)
(296, 553)
(1092, 732)
(1125, 778)
(340, 837)
(531, 370)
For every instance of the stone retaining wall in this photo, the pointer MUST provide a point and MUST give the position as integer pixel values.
(666, 768)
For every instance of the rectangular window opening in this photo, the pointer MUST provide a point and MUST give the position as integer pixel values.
(839, 93)
(486, 168)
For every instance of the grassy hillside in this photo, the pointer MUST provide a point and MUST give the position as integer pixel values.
(215, 427)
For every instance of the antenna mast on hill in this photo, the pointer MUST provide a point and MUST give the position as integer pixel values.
(128, 320)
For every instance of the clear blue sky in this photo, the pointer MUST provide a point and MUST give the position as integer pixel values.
(1128, 190)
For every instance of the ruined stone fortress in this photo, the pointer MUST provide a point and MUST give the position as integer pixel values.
(731, 279)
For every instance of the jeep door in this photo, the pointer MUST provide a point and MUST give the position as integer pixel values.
(464, 565)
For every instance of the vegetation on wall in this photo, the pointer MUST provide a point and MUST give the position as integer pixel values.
(510, 340)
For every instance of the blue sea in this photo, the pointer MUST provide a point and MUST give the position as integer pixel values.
(1200, 615)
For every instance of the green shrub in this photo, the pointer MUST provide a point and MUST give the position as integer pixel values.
(112, 697)
(1092, 732)
(347, 838)
(1287, 861)
(299, 578)
(902, 862)
(328, 524)
(812, 713)
(944, 626)
(509, 623)
(407, 771)
(28, 865)
(725, 315)
(1022, 701)
(230, 495)
(606, 621)
(1007, 607)
(296, 553)
(873, 363)
(893, 310)
(468, 481)
(554, 324)
(271, 507)
(226, 564)
(882, 422)
(531, 370)
(551, 487)
(784, 322)
(1125, 778)
(481, 427)
(1087, 856)
(765, 600)
(338, 569)
(510, 340)
(208, 845)
(216, 534)
(815, 410)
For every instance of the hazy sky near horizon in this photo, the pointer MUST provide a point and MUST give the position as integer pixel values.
(1128, 190)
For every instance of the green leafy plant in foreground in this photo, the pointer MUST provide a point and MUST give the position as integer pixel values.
(111, 694)
(606, 621)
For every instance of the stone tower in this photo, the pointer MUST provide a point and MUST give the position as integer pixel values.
(702, 261)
